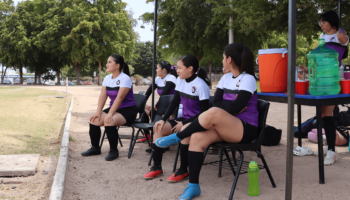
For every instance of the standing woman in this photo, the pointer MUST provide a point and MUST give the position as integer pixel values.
(192, 90)
(122, 108)
(338, 40)
(234, 117)
(165, 85)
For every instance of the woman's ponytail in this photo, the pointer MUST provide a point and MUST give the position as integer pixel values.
(248, 61)
(203, 75)
(125, 69)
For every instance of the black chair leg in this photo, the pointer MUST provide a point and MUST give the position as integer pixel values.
(133, 142)
(237, 175)
(220, 163)
(120, 141)
(150, 159)
(176, 156)
(229, 162)
(234, 157)
(205, 152)
(103, 138)
(267, 168)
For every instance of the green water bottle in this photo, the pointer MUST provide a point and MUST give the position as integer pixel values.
(253, 175)
(323, 70)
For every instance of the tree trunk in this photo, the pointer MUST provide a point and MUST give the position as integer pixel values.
(77, 67)
(99, 73)
(39, 77)
(3, 73)
(210, 63)
(21, 75)
(58, 77)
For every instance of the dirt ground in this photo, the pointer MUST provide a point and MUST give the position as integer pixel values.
(94, 178)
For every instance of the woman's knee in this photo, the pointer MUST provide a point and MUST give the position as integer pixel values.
(186, 140)
(211, 114)
(198, 140)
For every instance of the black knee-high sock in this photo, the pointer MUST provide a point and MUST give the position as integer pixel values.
(157, 156)
(184, 157)
(329, 129)
(95, 135)
(112, 135)
(192, 128)
(195, 162)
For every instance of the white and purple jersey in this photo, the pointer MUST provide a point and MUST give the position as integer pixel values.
(160, 82)
(113, 86)
(246, 82)
(191, 94)
(332, 42)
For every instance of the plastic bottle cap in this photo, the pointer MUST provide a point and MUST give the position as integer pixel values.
(253, 165)
(321, 42)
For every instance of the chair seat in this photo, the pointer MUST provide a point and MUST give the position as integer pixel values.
(244, 147)
(148, 126)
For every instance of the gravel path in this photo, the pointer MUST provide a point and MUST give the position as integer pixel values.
(94, 178)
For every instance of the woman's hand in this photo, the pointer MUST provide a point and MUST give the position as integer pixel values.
(158, 126)
(178, 127)
(155, 108)
(305, 69)
(97, 115)
(108, 119)
(341, 35)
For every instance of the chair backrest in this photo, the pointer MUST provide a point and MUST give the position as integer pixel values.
(263, 108)
(211, 101)
(140, 101)
(162, 106)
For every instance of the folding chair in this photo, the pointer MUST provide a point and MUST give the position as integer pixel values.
(140, 101)
(263, 107)
(162, 106)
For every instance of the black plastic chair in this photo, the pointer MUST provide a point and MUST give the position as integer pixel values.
(162, 106)
(263, 107)
(140, 101)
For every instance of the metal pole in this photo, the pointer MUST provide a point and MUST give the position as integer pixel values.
(291, 93)
(339, 12)
(66, 85)
(230, 31)
(154, 53)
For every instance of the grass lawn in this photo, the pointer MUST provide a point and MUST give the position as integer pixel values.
(29, 123)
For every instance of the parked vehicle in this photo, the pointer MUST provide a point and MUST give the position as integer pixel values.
(69, 83)
(7, 82)
(16, 82)
(147, 82)
(87, 83)
(30, 81)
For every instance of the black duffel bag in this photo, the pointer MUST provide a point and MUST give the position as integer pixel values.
(272, 136)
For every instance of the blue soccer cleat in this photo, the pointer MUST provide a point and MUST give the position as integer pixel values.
(193, 190)
(167, 141)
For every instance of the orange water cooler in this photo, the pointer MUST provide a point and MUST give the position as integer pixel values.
(273, 65)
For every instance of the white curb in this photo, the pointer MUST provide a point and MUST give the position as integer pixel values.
(60, 175)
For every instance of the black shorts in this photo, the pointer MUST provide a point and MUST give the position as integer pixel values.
(250, 133)
(129, 113)
(173, 121)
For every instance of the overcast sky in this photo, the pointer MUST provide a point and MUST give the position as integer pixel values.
(138, 7)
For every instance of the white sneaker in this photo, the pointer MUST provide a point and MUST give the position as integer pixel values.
(325, 149)
(330, 158)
